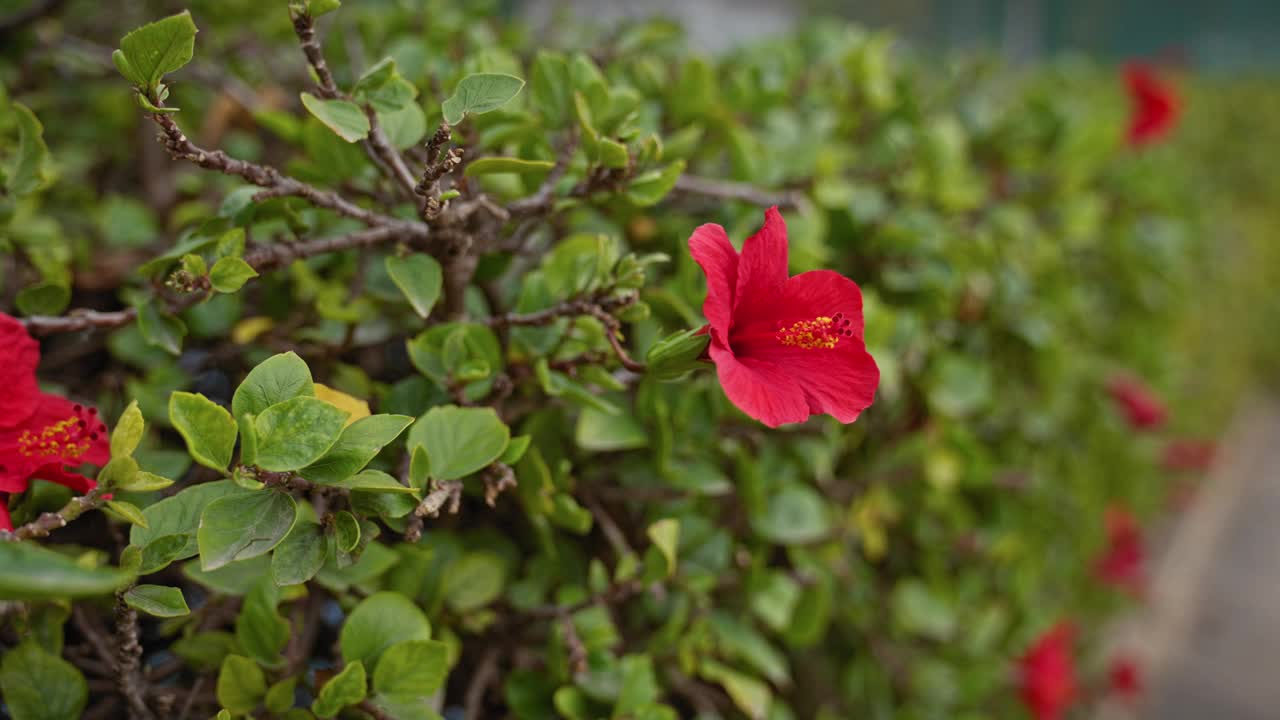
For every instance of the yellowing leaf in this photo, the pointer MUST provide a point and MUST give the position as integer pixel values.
(356, 407)
(248, 329)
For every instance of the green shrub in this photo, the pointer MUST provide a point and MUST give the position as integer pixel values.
(534, 523)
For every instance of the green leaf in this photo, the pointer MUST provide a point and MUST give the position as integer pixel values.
(143, 481)
(230, 274)
(316, 8)
(649, 188)
(37, 685)
(153, 50)
(160, 552)
(260, 630)
(494, 165)
(297, 432)
(128, 431)
(241, 684)
(374, 481)
(405, 127)
(280, 696)
(359, 443)
(127, 512)
(239, 527)
(180, 516)
(665, 536)
(341, 116)
(205, 651)
(31, 572)
(300, 555)
(795, 516)
(516, 448)
(551, 89)
(458, 440)
(27, 172)
(157, 600)
(276, 379)
(44, 298)
(207, 427)
(752, 696)
(378, 622)
(919, 611)
(604, 432)
(163, 331)
(346, 688)
(346, 531)
(117, 470)
(959, 386)
(248, 444)
(474, 580)
(383, 88)
(415, 668)
(480, 93)
(639, 686)
(613, 154)
(419, 277)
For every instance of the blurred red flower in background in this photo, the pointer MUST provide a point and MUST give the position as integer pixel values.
(1140, 405)
(1154, 105)
(784, 347)
(1122, 563)
(1124, 678)
(1184, 455)
(1047, 673)
(41, 435)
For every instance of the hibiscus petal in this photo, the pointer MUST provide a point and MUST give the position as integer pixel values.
(712, 250)
(57, 474)
(53, 409)
(824, 292)
(19, 355)
(5, 522)
(759, 389)
(762, 269)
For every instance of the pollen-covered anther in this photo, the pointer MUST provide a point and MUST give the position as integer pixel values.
(67, 439)
(822, 332)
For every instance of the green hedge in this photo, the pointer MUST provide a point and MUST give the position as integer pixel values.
(533, 523)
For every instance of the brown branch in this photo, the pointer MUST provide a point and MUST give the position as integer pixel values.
(129, 660)
(50, 521)
(597, 305)
(262, 259)
(543, 199)
(742, 192)
(279, 184)
(486, 673)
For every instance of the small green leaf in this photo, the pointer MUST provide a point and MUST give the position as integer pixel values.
(378, 622)
(157, 600)
(419, 277)
(660, 561)
(207, 427)
(248, 442)
(474, 580)
(612, 153)
(374, 481)
(604, 432)
(153, 50)
(31, 572)
(240, 527)
(552, 92)
(276, 379)
(346, 688)
(412, 668)
(458, 440)
(241, 684)
(649, 188)
(300, 555)
(795, 516)
(316, 8)
(297, 432)
(260, 630)
(158, 553)
(230, 274)
(128, 431)
(117, 470)
(180, 516)
(480, 93)
(752, 696)
(280, 696)
(44, 298)
(128, 512)
(346, 531)
(341, 116)
(143, 481)
(38, 685)
(383, 88)
(494, 165)
(516, 448)
(163, 331)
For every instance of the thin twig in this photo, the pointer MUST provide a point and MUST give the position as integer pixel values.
(486, 672)
(50, 521)
(129, 660)
(729, 190)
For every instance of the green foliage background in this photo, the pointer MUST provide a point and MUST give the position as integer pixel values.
(661, 555)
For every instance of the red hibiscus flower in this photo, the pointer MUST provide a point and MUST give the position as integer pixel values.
(1185, 455)
(41, 436)
(1155, 106)
(784, 347)
(1122, 564)
(1124, 678)
(1048, 674)
(1141, 407)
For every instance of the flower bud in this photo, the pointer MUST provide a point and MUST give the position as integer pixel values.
(675, 356)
